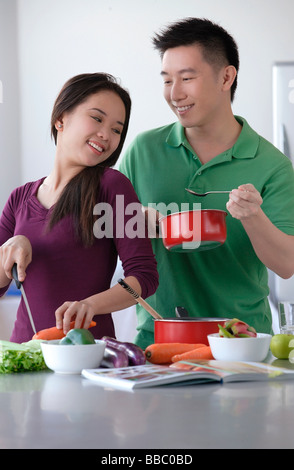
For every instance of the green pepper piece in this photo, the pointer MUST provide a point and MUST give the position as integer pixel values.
(78, 336)
(225, 333)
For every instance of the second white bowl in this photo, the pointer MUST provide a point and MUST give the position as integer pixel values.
(240, 349)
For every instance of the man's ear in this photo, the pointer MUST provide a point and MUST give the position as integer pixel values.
(229, 76)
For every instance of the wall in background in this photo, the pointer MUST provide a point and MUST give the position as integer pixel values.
(10, 141)
(43, 43)
(60, 38)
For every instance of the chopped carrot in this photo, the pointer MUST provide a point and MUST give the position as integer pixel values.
(199, 353)
(162, 353)
(55, 333)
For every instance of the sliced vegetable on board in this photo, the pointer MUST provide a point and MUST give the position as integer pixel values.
(22, 357)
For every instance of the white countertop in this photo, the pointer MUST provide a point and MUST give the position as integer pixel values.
(51, 411)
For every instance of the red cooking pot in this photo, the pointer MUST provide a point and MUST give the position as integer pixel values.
(193, 230)
(186, 330)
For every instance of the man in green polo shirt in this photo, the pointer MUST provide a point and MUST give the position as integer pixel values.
(211, 149)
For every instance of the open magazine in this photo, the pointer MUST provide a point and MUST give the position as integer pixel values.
(182, 373)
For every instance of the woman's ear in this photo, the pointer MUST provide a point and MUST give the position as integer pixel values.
(59, 125)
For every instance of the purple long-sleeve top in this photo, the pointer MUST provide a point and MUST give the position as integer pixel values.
(62, 269)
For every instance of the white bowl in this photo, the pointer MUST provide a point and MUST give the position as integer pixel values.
(240, 349)
(72, 359)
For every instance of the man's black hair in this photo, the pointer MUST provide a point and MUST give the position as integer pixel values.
(218, 46)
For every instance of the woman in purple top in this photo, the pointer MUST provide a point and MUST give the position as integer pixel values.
(66, 231)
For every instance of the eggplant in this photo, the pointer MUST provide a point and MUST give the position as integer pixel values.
(114, 358)
(135, 353)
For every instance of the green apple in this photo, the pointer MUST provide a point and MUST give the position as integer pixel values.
(291, 354)
(280, 346)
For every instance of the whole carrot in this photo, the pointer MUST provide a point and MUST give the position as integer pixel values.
(199, 353)
(162, 353)
(55, 333)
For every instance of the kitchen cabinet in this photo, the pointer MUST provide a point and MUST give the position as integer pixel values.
(43, 410)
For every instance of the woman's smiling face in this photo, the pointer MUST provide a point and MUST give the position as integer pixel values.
(91, 132)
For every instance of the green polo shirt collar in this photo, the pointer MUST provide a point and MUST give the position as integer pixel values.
(245, 147)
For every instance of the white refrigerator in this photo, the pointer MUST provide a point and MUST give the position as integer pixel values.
(283, 133)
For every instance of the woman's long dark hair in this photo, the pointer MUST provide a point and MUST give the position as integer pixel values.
(80, 194)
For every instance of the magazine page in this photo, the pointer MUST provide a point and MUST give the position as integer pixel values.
(186, 372)
(148, 375)
(236, 371)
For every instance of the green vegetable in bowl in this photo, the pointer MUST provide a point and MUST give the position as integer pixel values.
(22, 357)
(78, 336)
(236, 328)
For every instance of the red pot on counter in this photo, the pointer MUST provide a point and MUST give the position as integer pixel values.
(193, 230)
(186, 330)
